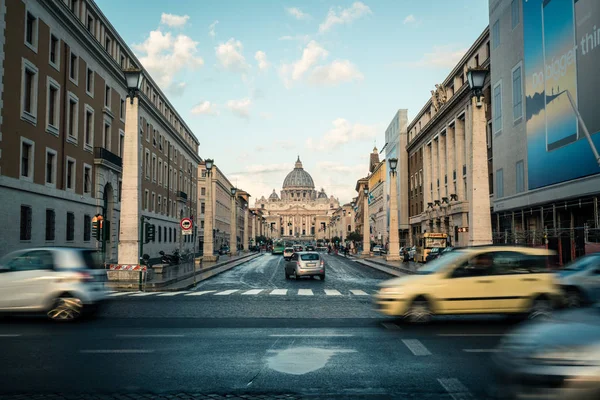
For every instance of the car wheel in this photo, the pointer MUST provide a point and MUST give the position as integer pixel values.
(574, 298)
(66, 308)
(541, 308)
(295, 276)
(419, 311)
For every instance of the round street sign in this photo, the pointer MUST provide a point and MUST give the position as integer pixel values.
(186, 224)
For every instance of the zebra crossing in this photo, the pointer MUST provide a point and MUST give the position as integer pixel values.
(249, 292)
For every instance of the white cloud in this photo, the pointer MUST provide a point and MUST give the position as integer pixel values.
(165, 55)
(297, 13)
(241, 107)
(230, 56)
(211, 29)
(311, 55)
(332, 166)
(174, 21)
(446, 56)
(177, 89)
(204, 108)
(266, 115)
(341, 133)
(344, 16)
(339, 71)
(261, 58)
(300, 38)
(410, 19)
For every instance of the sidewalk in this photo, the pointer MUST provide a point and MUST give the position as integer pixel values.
(396, 268)
(181, 277)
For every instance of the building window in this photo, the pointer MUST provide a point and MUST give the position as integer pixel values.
(72, 118)
(499, 183)
(107, 44)
(520, 172)
(203, 192)
(203, 173)
(517, 93)
(496, 34)
(26, 216)
(121, 143)
(74, 68)
(70, 174)
(202, 208)
(160, 172)
(88, 127)
(119, 190)
(154, 169)
(87, 228)
(153, 202)
(52, 106)
(122, 110)
(50, 167)
(123, 61)
(159, 206)
(54, 51)
(107, 96)
(70, 227)
(31, 31)
(147, 164)
(159, 231)
(89, 82)
(146, 199)
(497, 103)
(90, 23)
(87, 179)
(75, 7)
(27, 161)
(29, 91)
(106, 135)
(514, 13)
(50, 225)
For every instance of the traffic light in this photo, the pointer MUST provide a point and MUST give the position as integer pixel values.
(463, 229)
(150, 231)
(97, 227)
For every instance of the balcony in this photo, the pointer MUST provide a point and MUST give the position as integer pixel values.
(182, 196)
(108, 159)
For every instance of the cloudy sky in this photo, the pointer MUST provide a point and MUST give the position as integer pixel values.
(261, 82)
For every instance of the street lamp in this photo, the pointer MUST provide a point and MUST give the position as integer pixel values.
(133, 79)
(208, 246)
(233, 223)
(476, 78)
(393, 253)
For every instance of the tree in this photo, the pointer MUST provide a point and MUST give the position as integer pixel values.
(354, 236)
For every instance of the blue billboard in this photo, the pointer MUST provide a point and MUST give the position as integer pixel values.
(561, 55)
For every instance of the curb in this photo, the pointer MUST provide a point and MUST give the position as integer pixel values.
(406, 271)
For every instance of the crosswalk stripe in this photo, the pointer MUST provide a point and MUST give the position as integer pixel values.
(119, 294)
(332, 292)
(226, 292)
(253, 291)
(359, 293)
(142, 294)
(173, 293)
(280, 292)
(200, 293)
(305, 292)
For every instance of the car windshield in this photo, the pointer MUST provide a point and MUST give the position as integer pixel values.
(583, 263)
(440, 263)
(309, 257)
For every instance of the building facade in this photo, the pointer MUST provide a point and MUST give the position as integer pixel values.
(62, 132)
(301, 213)
(546, 188)
(378, 209)
(440, 143)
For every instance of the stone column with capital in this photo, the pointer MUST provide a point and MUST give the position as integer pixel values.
(450, 159)
(480, 223)
(444, 178)
(459, 141)
(233, 227)
(208, 247)
(129, 225)
(394, 248)
(246, 230)
(435, 169)
(426, 175)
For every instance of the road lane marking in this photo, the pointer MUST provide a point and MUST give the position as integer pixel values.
(143, 294)
(305, 292)
(359, 293)
(120, 294)
(253, 291)
(416, 347)
(332, 292)
(390, 326)
(174, 293)
(226, 292)
(311, 335)
(117, 351)
(150, 336)
(10, 334)
(200, 293)
(455, 388)
(280, 292)
(481, 350)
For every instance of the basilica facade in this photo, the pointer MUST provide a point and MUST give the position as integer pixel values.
(299, 212)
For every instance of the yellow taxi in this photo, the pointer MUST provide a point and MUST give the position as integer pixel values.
(475, 280)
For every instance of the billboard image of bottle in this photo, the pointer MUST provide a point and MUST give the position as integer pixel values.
(560, 63)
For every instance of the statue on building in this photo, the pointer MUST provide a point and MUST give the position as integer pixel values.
(439, 96)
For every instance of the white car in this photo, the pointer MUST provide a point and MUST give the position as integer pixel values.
(61, 282)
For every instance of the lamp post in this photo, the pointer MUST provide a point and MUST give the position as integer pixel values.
(208, 247)
(480, 223)
(366, 232)
(393, 253)
(233, 224)
(131, 221)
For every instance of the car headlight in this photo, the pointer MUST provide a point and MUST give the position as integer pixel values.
(577, 356)
(391, 290)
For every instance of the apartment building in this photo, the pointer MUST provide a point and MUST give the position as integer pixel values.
(547, 179)
(440, 139)
(378, 212)
(62, 124)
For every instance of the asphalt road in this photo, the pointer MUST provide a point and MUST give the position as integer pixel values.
(251, 331)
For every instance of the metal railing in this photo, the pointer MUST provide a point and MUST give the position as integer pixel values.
(104, 154)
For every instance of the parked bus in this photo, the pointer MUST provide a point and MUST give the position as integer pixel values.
(428, 242)
(278, 247)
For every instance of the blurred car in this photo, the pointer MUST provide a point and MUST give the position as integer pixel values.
(287, 253)
(224, 250)
(305, 263)
(553, 359)
(298, 248)
(475, 280)
(322, 249)
(378, 250)
(62, 282)
(580, 281)
(433, 254)
(310, 248)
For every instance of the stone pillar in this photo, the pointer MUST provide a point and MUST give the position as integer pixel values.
(426, 175)
(460, 158)
(129, 226)
(233, 227)
(450, 154)
(394, 248)
(443, 171)
(208, 248)
(435, 169)
(246, 229)
(480, 224)
(366, 233)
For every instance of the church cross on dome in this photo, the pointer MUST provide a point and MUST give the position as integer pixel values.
(298, 163)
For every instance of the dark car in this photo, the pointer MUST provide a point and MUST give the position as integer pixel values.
(224, 250)
(433, 254)
(310, 248)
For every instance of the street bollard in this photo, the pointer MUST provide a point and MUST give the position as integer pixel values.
(140, 283)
